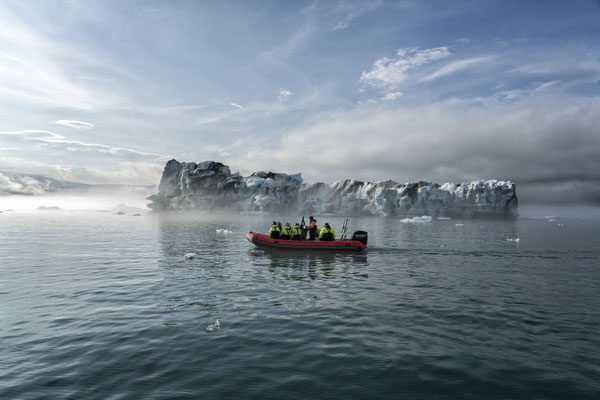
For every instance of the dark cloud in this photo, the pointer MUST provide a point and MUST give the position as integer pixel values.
(551, 144)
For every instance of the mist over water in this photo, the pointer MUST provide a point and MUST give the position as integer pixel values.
(97, 199)
(586, 212)
(99, 305)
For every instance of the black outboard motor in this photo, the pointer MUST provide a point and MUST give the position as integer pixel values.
(361, 236)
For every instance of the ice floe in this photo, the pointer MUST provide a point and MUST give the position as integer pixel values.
(417, 220)
(213, 327)
(189, 256)
(223, 232)
(517, 240)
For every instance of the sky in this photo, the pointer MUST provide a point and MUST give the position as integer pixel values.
(108, 91)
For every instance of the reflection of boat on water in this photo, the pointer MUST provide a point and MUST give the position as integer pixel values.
(307, 265)
(306, 245)
(300, 257)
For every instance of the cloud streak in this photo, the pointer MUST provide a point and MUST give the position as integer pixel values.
(54, 139)
(75, 124)
(36, 70)
(456, 66)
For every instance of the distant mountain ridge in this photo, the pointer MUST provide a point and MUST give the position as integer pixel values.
(18, 183)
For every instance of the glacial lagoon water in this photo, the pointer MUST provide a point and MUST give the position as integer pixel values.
(104, 306)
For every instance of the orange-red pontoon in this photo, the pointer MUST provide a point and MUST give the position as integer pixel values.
(283, 244)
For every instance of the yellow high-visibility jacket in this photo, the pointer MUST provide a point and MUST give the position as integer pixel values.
(274, 228)
(324, 231)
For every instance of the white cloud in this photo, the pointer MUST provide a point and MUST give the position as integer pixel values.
(392, 96)
(75, 124)
(236, 105)
(393, 71)
(284, 94)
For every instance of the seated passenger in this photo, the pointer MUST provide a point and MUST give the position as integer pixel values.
(327, 233)
(297, 232)
(286, 233)
(274, 232)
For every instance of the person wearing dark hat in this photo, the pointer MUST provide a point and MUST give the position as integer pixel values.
(312, 228)
(286, 233)
(274, 232)
(327, 233)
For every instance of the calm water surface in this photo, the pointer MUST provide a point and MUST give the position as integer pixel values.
(104, 306)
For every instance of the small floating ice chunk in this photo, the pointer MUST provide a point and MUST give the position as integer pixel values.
(189, 256)
(513, 240)
(424, 218)
(459, 224)
(223, 232)
(213, 327)
(443, 218)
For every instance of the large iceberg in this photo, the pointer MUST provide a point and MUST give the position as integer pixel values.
(211, 186)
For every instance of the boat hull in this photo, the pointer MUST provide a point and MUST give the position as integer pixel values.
(310, 245)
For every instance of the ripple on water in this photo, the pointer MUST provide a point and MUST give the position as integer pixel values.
(99, 307)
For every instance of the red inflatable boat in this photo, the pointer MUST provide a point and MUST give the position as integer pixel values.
(333, 245)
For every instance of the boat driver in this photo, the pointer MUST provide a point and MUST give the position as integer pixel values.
(312, 228)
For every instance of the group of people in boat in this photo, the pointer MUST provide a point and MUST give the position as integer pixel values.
(299, 233)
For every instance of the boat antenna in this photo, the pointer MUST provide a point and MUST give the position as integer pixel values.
(344, 229)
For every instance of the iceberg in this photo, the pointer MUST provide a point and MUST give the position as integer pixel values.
(210, 185)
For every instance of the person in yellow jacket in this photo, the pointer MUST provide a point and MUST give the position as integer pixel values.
(274, 232)
(297, 232)
(327, 233)
(286, 232)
